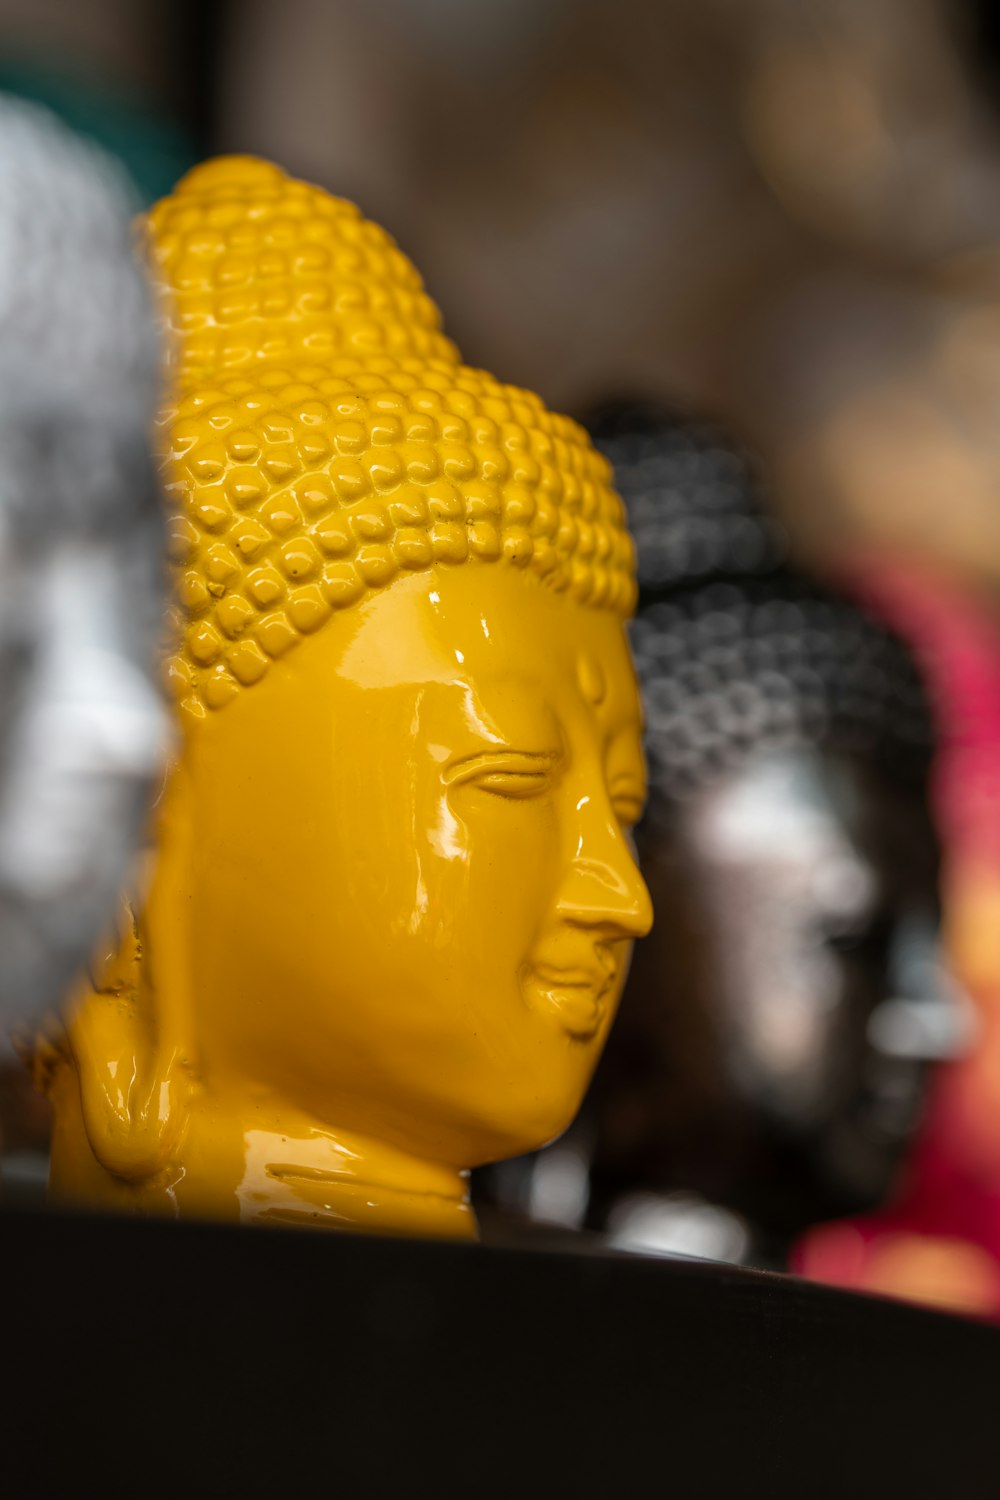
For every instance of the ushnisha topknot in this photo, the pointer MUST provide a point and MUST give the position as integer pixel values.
(323, 435)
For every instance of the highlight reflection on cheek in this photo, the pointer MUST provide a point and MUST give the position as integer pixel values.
(446, 835)
(445, 838)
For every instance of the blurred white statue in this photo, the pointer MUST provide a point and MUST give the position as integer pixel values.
(82, 726)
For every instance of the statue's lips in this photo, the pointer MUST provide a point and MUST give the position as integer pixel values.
(576, 998)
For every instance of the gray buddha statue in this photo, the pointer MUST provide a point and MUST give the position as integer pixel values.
(82, 728)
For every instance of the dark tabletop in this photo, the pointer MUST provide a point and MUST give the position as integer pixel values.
(221, 1361)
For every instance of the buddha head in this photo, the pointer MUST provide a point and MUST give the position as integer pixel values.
(781, 1025)
(389, 914)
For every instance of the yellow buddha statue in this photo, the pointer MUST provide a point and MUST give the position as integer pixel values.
(393, 896)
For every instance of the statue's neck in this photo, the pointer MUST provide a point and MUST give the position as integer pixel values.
(284, 1168)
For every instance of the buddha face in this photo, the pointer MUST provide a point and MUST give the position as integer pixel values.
(781, 1022)
(412, 889)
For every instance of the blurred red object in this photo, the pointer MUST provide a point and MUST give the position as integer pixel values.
(939, 1240)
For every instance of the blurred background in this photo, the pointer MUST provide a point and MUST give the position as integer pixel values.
(755, 245)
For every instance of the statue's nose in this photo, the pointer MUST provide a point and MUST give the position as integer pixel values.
(603, 887)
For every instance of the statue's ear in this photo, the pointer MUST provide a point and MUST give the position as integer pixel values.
(134, 1082)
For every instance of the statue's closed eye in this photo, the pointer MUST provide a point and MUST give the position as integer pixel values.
(628, 799)
(628, 808)
(515, 774)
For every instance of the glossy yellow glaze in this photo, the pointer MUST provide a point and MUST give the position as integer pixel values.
(393, 897)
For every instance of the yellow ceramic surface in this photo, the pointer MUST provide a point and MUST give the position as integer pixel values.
(393, 899)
